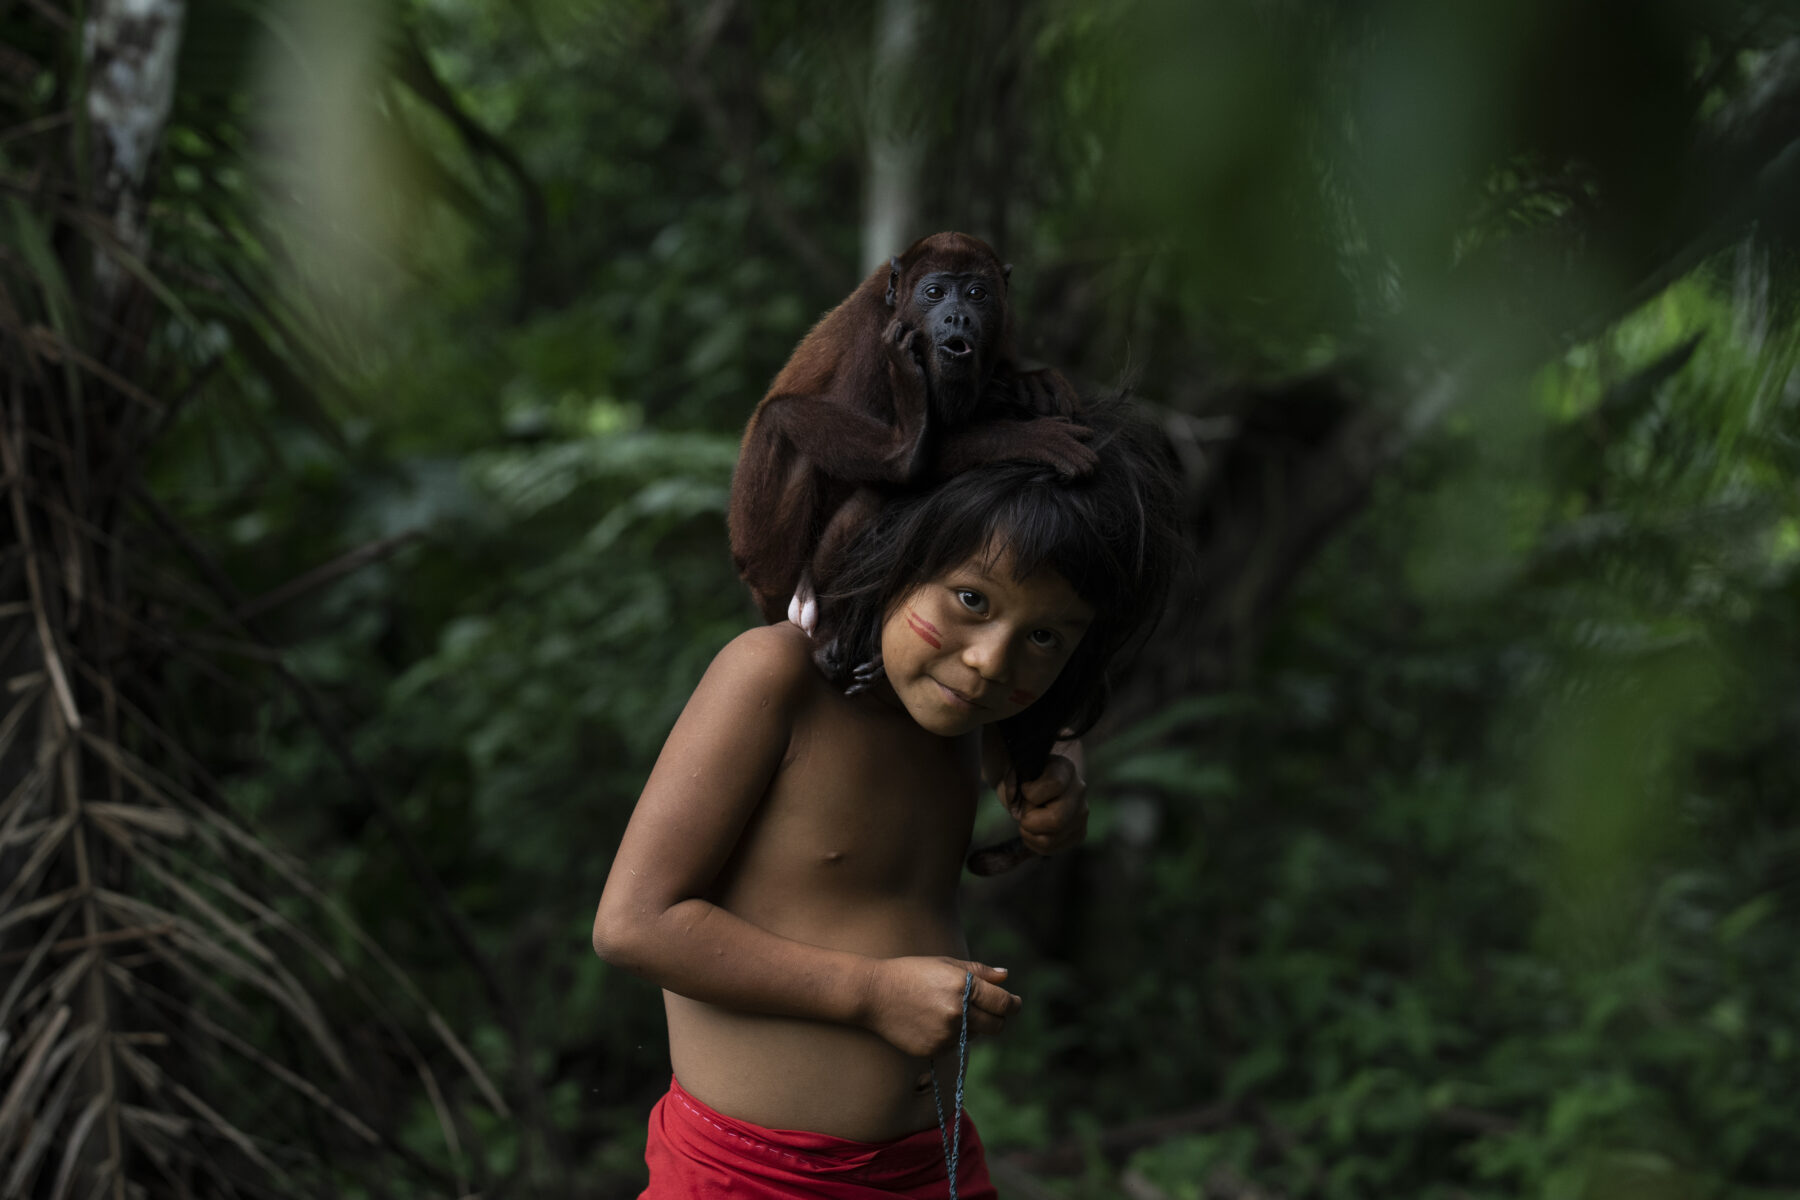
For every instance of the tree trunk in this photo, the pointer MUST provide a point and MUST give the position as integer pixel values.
(896, 142)
(131, 48)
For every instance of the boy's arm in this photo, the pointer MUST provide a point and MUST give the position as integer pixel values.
(712, 773)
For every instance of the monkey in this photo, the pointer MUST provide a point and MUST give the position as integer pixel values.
(912, 377)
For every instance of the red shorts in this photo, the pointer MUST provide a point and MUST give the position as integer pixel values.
(696, 1153)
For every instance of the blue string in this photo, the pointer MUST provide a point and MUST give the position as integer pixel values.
(952, 1136)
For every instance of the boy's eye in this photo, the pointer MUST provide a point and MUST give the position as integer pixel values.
(1045, 639)
(972, 600)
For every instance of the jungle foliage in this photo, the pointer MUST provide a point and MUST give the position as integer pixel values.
(365, 535)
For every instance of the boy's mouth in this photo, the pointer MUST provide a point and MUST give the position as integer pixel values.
(955, 697)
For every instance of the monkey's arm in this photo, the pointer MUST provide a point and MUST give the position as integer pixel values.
(1044, 391)
(805, 449)
(1033, 416)
(841, 440)
(839, 432)
(1053, 441)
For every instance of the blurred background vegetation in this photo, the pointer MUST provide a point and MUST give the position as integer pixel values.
(372, 375)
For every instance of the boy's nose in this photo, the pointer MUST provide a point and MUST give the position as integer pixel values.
(988, 657)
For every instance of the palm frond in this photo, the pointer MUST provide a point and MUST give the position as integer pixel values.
(161, 1027)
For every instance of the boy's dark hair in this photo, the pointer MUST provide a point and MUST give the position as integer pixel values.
(1113, 534)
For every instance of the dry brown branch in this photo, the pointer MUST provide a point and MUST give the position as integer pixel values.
(111, 937)
(237, 1137)
(272, 979)
(414, 69)
(328, 572)
(51, 346)
(12, 1107)
(436, 896)
(55, 902)
(49, 12)
(184, 1015)
(292, 874)
(48, 123)
(72, 1148)
(151, 784)
(46, 849)
(67, 1065)
(447, 1125)
(10, 463)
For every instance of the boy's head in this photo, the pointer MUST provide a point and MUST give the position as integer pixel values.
(981, 642)
(1110, 535)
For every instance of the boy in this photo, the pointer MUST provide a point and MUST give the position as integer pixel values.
(789, 874)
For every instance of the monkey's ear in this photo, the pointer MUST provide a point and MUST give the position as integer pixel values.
(893, 278)
(1006, 275)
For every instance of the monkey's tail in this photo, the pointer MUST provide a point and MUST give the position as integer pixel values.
(999, 858)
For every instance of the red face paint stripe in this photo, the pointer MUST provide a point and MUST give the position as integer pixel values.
(1021, 696)
(925, 629)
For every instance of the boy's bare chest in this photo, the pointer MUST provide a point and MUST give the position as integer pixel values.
(858, 809)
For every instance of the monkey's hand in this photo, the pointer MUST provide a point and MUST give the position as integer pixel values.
(915, 1004)
(905, 347)
(1051, 810)
(1059, 442)
(1054, 441)
(1045, 391)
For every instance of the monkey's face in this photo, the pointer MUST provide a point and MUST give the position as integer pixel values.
(976, 645)
(960, 317)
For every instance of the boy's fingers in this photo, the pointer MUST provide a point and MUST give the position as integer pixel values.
(987, 994)
(1050, 818)
(1058, 779)
(985, 1024)
(1008, 791)
(1056, 825)
(988, 1014)
(991, 998)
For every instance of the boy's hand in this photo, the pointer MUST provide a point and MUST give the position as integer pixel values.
(916, 1003)
(1052, 809)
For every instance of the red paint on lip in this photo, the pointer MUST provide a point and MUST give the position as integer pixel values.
(1021, 696)
(927, 632)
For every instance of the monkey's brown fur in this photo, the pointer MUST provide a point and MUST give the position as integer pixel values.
(879, 394)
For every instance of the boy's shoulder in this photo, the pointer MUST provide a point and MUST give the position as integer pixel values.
(778, 657)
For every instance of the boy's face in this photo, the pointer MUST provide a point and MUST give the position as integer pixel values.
(976, 645)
